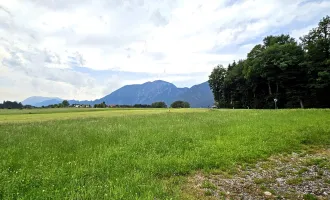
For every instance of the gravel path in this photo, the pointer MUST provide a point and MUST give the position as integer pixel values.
(296, 176)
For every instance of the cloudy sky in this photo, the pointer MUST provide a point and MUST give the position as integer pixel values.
(83, 49)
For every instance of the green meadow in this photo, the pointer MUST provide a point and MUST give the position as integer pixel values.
(140, 153)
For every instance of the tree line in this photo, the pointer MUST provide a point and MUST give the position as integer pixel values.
(65, 104)
(292, 73)
(11, 105)
(160, 104)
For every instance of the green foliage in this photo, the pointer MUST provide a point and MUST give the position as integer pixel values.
(132, 153)
(159, 105)
(180, 104)
(136, 106)
(11, 105)
(208, 185)
(298, 75)
(208, 193)
(302, 170)
(217, 84)
(317, 47)
(65, 103)
(101, 105)
(310, 197)
(294, 181)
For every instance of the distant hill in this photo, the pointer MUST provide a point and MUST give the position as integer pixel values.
(146, 93)
(48, 102)
(149, 92)
(81, 102)
(199, 96)
(39, 101)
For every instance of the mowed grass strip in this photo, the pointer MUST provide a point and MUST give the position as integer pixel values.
(144, 156)
(48, 110)
(38, 115)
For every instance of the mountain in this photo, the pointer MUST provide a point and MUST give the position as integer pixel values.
(81, 102)
(48, 102)
(37, 100)
(199, 96)
(146, 93)
(149, 92)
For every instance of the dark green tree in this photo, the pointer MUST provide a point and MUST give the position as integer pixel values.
(101, 105)
(65, 103)
(217, 84)
(316, 44)
(159, 105)
(180, 104)
(297, 75)
(11, 105)
(282, 69)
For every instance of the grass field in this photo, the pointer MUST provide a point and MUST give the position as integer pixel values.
(38, 115)
(140, 153)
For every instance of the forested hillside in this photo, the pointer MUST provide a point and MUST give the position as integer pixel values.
(296, 73)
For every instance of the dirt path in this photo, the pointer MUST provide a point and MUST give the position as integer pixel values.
(296, 176)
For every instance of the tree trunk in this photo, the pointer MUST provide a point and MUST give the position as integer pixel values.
(326, 38)
(301, 103)
(269, 89)
(276, 88)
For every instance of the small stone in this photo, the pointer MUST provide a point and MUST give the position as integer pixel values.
(267, 193)
(325, 194)
(228, 193)
(279, 180)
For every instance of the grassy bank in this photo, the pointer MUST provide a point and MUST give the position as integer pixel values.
(140, 154)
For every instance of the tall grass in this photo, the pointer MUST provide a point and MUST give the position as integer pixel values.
(144, 156)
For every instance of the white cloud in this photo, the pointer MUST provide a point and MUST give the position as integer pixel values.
(41, 41)
(297, 33)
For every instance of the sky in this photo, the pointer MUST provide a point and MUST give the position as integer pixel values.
(84, 50)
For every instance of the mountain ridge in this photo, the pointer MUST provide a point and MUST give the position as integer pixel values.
(36, 100)
(199, 95)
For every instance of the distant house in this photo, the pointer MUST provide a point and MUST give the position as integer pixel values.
(214, 107)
